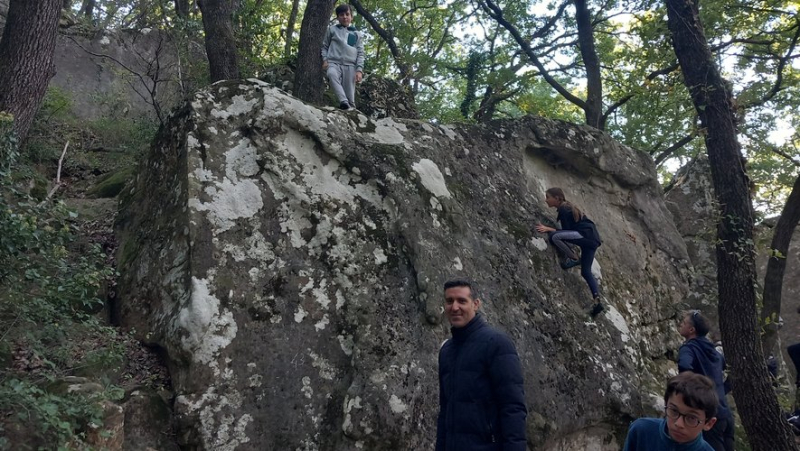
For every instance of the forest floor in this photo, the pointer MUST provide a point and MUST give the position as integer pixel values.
(62, 358)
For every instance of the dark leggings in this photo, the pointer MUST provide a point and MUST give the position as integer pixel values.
(588, 249)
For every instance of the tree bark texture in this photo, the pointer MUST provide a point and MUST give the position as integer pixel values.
(736, 273)
(287, 50)
(26, 58)
(308, 84)
(220, 41)
(776, 266)
(594, 83)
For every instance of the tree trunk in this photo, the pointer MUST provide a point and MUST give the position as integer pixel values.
(87, 8)
(736, 273)
(308, 76)
(26, 58)
(776, 266)
(182, 8)
(220, 41)
(594, 83)
(287, 50)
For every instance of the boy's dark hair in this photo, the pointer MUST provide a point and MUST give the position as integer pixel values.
(697, 390)
(458, 283)
(343, 8)
(699, 322)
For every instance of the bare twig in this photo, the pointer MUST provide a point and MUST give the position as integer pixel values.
(58, 173)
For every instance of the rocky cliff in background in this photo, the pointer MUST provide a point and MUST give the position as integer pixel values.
(290, 262)
(691, 200)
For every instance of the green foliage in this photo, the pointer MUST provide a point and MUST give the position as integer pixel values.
(9, 152)
(49, 285)
(56, 417)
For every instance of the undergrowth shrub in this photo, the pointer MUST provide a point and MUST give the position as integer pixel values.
(49, 285)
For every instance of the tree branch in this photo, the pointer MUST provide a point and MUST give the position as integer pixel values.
(496, 13)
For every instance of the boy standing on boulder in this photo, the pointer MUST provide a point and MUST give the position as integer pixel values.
(343, 57)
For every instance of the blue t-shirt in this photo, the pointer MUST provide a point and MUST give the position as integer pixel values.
(650, 434)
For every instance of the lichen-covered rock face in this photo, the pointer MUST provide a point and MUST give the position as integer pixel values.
(691, 201)
(290, 261)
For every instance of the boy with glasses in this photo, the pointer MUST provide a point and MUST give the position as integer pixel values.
(691, 408)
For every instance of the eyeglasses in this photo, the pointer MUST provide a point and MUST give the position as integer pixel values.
(689, 420)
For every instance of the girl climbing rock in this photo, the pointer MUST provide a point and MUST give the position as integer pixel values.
(576, 229)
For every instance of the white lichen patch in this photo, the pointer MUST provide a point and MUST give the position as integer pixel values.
(397, 405)
(300, 314)
(448, 131)
(239, 105)
(241, 161)
(387, 131)
(320, 326)
(346, 343)
(229, 202)
(307, 391)
(348, 405)
(457, 264)
(326, 370)
(219, 430)
(380, 257)
(540, 243)
(254, 380)
(207, 328)
(597, 271)
(431, 177)
(619, 322)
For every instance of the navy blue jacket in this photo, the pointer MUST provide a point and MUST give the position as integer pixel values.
(584, 226)
(699, 355)
(650, 434)
(481, 395)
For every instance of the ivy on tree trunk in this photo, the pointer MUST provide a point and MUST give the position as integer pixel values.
(736, 273)
(26, 58)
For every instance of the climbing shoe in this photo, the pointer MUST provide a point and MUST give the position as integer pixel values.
(344, 106)
(570, 263)
(596, 309)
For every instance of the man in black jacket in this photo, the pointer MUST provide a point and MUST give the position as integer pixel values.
(481, 396)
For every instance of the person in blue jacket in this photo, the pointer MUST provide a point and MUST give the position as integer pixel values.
(699, 355)
(578, 230)
(481, 395)
(690, 404)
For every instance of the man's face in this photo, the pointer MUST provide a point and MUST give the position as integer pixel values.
(344, 18)
(682, 429)
(685, 327)
(459, 307)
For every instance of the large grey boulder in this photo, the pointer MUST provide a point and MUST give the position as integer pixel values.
(290, 261)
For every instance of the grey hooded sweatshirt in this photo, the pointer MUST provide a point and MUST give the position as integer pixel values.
(344, 46)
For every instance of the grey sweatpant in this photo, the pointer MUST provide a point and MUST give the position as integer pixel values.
(343, 82)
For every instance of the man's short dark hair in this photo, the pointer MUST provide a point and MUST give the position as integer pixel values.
(699, 322)
(457, 283)
(697, 390)
(343, 8)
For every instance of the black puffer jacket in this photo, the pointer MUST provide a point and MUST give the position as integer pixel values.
(481, 396)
